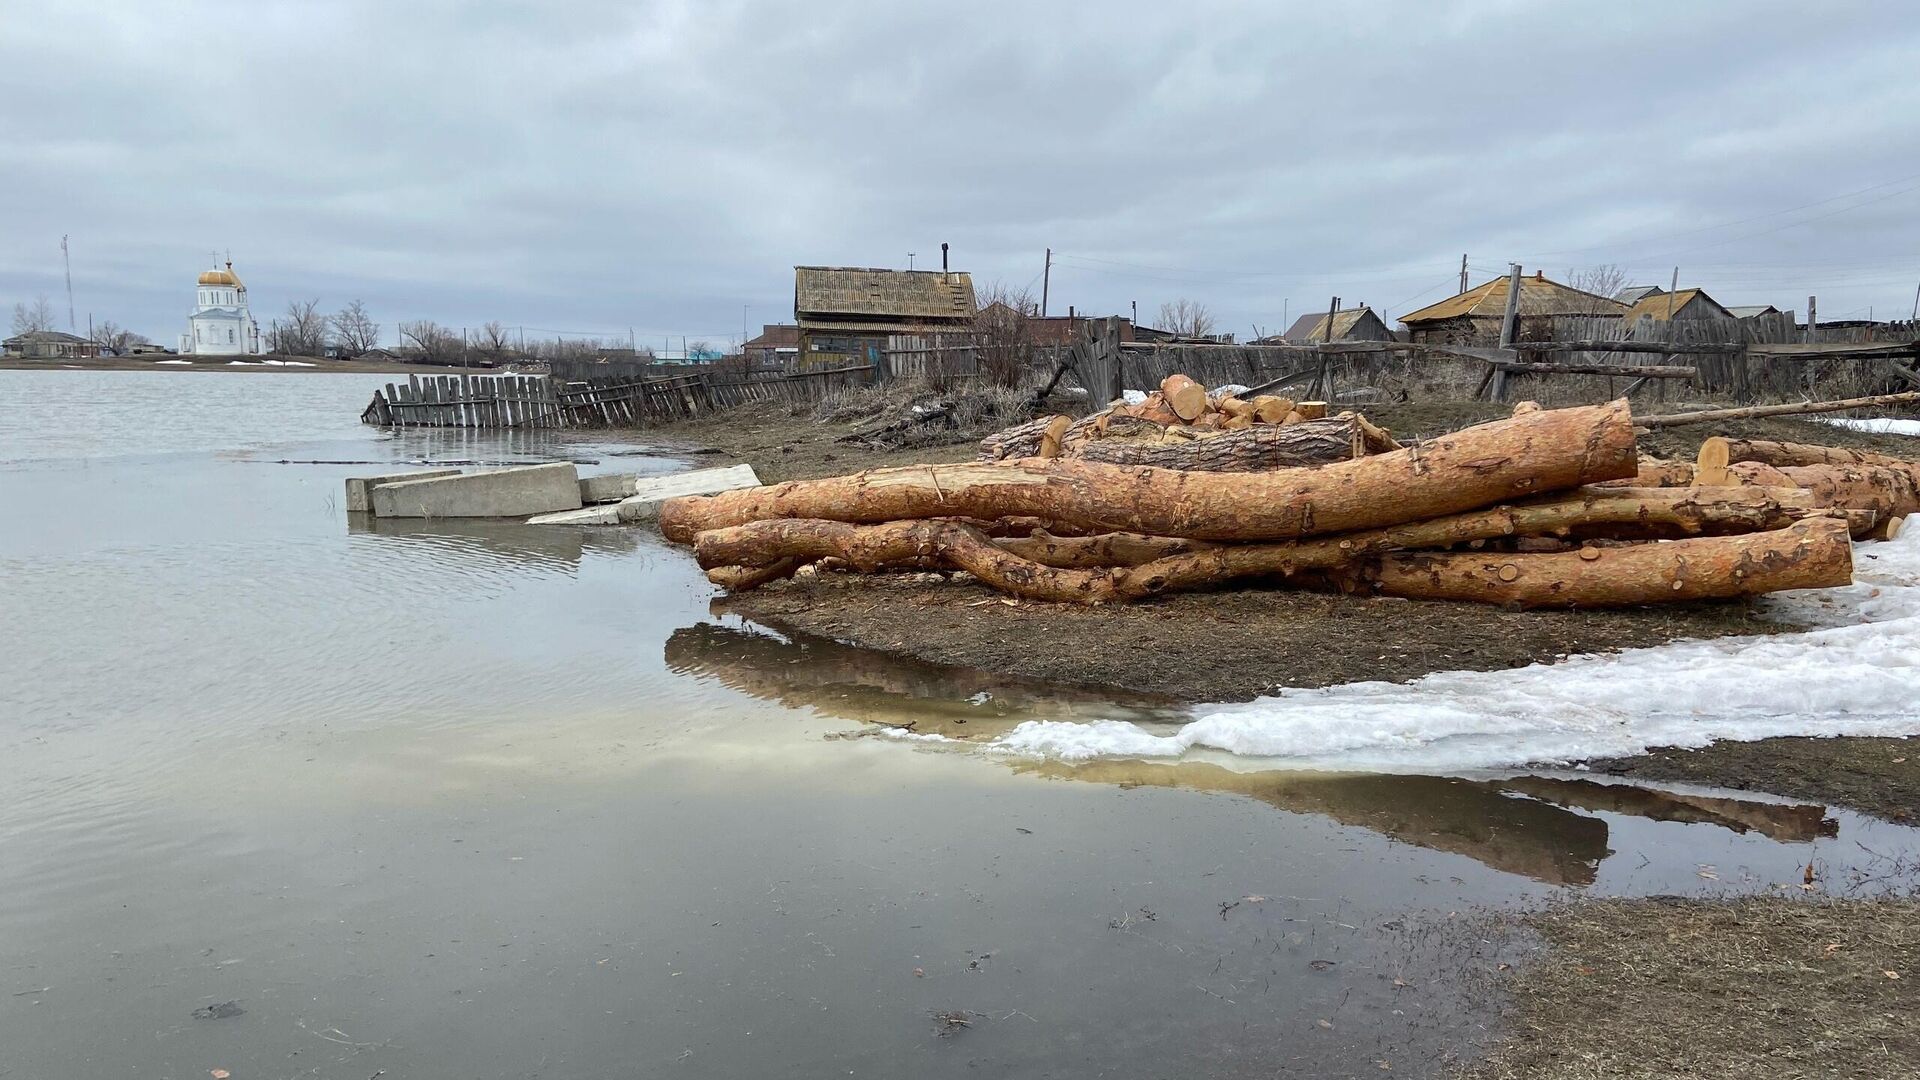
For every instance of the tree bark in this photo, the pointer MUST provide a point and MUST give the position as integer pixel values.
(1792, 409)
(1786, 454)
(1259, 448)
(1018, 441)
(1656, 472)
(1103, 550)
(1478, 466)
(1811, 554)
(1074, 575)
(1887, 491)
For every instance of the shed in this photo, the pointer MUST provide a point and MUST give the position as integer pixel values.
(1687, 305)
(1349, 324)
(48, 345)
(1633, 294)
(1752, 311)
(1474, 316)
(845, 314)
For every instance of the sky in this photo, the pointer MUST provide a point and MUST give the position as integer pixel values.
(659, 168)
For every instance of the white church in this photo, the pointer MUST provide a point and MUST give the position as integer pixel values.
(221, 323)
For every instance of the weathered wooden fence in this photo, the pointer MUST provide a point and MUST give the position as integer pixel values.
(523, 401)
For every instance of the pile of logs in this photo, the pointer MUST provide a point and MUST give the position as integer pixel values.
(1182, 426)
(1548, 508)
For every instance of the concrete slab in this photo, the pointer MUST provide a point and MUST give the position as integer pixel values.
(650, 492)
(516, 492)
(605, 514)
(609, 488)
(358, 486)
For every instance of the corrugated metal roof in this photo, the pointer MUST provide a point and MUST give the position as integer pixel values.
(899, 294)
(1633, 294)
(1538, 296)
(1748, 311)
(1657, 307)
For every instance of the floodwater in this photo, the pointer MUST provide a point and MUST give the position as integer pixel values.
(489, 800)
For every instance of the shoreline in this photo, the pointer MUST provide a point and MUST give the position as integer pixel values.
(300, 366)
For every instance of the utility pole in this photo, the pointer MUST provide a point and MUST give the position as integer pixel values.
(1915, 317)
(633, 344)
(68, 259)
(1046, 279)
(1813, 321)
(1135, 305)
(909, 262)
(1671, 289)
(1509, 329)
(1463, 273)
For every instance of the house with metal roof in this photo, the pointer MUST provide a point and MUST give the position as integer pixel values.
(1633, 294)
(1752, 311)
(1686, 305)
(846, 314)
(48, 345)
(1349, 324)
(1474, 316)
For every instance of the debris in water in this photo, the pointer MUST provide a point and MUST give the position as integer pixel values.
(951, 1021)
(221, 1011)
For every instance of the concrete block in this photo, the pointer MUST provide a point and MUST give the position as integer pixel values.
(610, 488)
(650, 492)
(358, 486)
(604, 514)
(516, 492)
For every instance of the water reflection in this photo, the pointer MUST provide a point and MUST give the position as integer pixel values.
(804, 670)
(503, 541)
(1529, 825)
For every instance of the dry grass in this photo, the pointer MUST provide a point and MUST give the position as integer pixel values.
(1761, 986)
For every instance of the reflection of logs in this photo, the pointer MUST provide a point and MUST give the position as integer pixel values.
(807, 671)
(1517, 836)
(1536, 452)
(1787, 823)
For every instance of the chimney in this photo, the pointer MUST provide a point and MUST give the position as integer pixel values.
(1069, 312)
(1539, 275)
(943, 258)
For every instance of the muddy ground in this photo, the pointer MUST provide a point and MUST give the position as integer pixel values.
(1687, 988)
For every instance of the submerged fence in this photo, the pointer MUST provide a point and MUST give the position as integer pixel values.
(540, 401)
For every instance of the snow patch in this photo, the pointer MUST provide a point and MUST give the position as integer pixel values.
(1133, 397)
(286, 363)
(1879, 425)
(173, 361)
(1858, 673)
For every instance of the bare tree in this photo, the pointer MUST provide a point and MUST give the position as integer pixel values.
(1604, 280)
(1001, 335)
(114, 340)
(494, 340)
(302, 333)
(1186, 318)
(354, 331)
(437, 344)
(699, 348)
(28, 318)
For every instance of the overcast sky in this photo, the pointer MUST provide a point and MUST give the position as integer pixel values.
(584, 166)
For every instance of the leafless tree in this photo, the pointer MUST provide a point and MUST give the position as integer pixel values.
(35, 316)
(437, 344)
(495, 340)
(1186, 318)
(113, 339)
(354, 331)
(302, 333)
(1603, 280)
(1001, 335)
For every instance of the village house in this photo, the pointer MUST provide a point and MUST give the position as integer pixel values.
(48, 345)
(778, 343)
(1349, 324)
(1752, 311)
(1474, 316)
(845, 315)
(1633, 294)
(1686, 305)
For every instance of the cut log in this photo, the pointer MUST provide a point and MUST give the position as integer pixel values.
(1887, 491)
(1785, 454)
(1656, 472)
(1050, 438)
(1072, 573)
(1753, 472)
(1270, 409)
(1811, 554)
(1237, 423)
(1311, 410)
(739, 579)
(1710, 468)
(1187, 399)
(1474, 467)
(1233, 406)
(1523, 407)
(1209, 421)
(1878, 401)
(1018, 441)
(1375, 439)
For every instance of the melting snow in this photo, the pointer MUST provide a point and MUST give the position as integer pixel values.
(1858, 673)
(1877, 425)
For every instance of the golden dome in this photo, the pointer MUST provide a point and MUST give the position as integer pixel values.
(217, 276)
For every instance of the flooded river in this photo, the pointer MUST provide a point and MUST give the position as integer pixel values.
(286, 795)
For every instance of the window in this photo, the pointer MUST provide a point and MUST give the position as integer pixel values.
(229, 337)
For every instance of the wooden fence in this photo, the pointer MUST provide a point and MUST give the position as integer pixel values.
(524, 401)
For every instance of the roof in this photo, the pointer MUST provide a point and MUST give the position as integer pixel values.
(1748, 311)
(1633, 294)
(1313, 327)
(1657, 307)
(216, 313)
(1538, 296)
(907, 295)
(58, 337)
(775, 336)
(217, 276)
